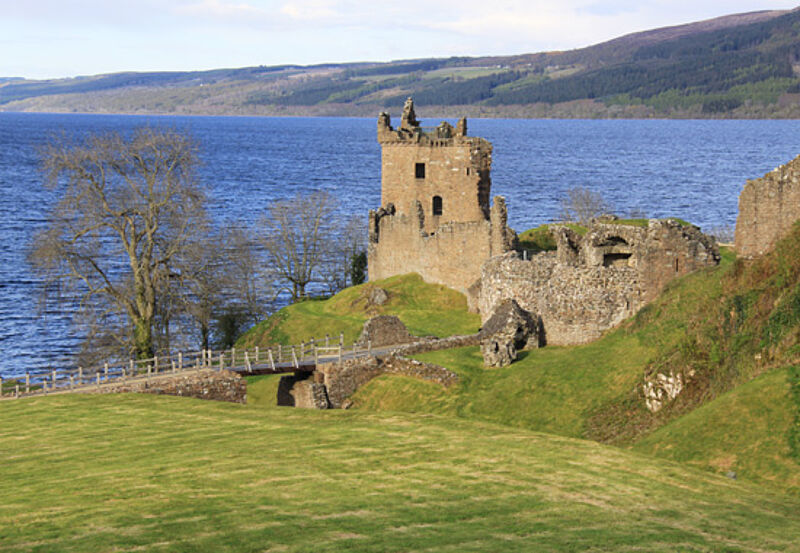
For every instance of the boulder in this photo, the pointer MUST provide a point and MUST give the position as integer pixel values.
(377, 296)
(385, 330)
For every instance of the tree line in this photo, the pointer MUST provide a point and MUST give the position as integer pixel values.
(129, 247)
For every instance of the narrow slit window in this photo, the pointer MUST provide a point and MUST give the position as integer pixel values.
(419, 170)
(437, 205)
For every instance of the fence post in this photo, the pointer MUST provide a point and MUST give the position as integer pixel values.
(54, 379)
(369, 347)
(256, 354)
(197, 362)
(27, 382)
(316, 356)
(271, 360)
(1, 386)
(247, 362)
(149, 370)
(294, 359)
(97, 375)
(174, 367)
(155, 364)
(340, 353)
(131, 365)
(44, 386)
(341, 338)
(180, 361)
(105, 371)
(280, 352)
(221, 361)
(233, 357)
(71, 382)
(302, 347)
(80, 375)
(16, 391)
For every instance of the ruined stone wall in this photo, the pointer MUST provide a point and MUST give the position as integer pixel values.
(452, 173)
(435, 218)
(205, 384)
(343, 379)
(594, 282)
(767, 209)
(452, 255)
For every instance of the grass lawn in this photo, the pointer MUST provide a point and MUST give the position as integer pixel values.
(154, 473)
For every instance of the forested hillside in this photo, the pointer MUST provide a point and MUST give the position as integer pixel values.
(742, 65)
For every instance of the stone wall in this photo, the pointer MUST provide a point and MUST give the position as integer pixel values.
(205, 384)
(435, 218)
(384, 330)
(302, 390)
(767, 209)
(594, 282)
(452, 255)
(343, 379)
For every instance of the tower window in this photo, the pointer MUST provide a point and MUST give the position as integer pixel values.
(419, 170)
(437, 205)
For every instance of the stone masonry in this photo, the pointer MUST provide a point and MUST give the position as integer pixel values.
(204, 384)
(767, 209)
(594, 282)
(436, 219)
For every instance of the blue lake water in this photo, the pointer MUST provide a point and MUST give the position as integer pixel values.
(688, 169)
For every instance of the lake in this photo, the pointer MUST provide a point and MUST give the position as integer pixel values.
(688, 169)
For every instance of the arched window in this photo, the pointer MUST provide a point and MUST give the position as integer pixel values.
(437, 205)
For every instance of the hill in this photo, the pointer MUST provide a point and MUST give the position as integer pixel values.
(742, 65)
(132, 473)
(731, 332)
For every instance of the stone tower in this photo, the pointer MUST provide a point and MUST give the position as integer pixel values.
(435, 217)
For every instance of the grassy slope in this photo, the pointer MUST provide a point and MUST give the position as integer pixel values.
(744, 431)
(125, 473)
(725, 326)
(426, 309)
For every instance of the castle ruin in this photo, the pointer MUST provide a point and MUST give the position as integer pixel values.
(436, 221)
(767, 209)
(435, 218)
(592, 283)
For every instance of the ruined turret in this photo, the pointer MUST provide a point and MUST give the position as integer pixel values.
(438, 182)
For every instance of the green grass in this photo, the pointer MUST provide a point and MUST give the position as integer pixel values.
(426, 309)
(154, 473)
(744, 431)
(553, 389)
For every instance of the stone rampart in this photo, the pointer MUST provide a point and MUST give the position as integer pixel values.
(594, 282)
(205, 384)
(767, 209)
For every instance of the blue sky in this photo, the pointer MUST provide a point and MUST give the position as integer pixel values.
(62, 38)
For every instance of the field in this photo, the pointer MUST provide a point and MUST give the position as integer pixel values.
(146, 473)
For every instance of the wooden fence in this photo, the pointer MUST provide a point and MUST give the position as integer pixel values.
(273, 359)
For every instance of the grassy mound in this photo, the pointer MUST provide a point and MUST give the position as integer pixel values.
(132, 473)
(426, 309)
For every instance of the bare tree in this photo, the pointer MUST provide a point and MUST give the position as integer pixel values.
(345, 244)
(127, 211)
(249, 279)
(581, 205)
(297, 233)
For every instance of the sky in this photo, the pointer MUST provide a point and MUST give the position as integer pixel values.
(66, 38)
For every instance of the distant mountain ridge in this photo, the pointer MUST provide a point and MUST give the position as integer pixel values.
(741, 65)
